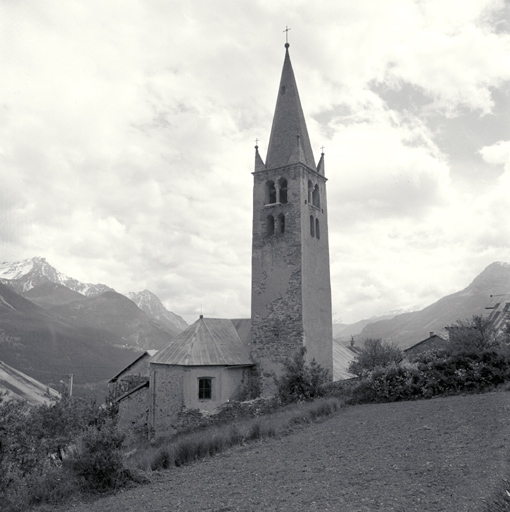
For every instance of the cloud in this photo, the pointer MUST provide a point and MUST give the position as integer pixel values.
(498, 153)
(126, 142)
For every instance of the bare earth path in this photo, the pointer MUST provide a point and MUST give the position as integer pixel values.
(446, 454)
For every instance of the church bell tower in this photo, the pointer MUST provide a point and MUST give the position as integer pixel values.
(291, 289)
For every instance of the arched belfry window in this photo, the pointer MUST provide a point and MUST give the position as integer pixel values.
(310, 190)
(316, 201)
(270, 225)
(270, 192)
(312, 226)
(282, 182)
(317, 229)
(281, 223)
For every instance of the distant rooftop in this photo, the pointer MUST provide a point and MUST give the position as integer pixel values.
(19, 386)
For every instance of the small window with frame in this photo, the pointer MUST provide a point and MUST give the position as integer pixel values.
(204, 388)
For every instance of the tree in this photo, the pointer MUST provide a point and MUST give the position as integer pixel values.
(475, 334)
(375, 353)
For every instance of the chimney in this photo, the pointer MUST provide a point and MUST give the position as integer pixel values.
(432, 333)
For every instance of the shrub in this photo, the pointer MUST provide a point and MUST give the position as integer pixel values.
(301, 381)
(389, 384)
(375, 353)
(162, 459)
(252, 386)
(434, 374)
(98, 459)
(464, 371)
(36, 448)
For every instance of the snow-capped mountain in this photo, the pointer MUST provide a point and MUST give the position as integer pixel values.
(24, 275)
(150, 304)
(43, 284)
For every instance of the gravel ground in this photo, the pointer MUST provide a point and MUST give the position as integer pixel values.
(445, 454)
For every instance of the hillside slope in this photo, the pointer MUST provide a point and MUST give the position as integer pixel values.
(117, 314)
(441, 455)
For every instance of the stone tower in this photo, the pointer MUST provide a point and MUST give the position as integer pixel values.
(291, 289)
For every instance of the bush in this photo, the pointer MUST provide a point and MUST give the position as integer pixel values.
(390, 384)
(301, 381)
(434, 374)
(38, 446)
(463, 371)
(98, 459)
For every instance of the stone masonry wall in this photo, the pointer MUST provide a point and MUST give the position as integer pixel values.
(277, 326)
(166, 398)
(134, 411)
(317, 310)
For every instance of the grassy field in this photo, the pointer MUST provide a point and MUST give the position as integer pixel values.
(445, 454)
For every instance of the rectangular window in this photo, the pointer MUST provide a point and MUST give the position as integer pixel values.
(204, 389)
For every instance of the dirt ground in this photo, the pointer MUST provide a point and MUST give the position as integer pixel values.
(445, 454)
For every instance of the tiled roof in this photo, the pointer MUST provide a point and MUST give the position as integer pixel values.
(499, 315)
(19, 386)
(434, 335)
(342, 356)
(288, 122)
(209, 341)
(243, 328)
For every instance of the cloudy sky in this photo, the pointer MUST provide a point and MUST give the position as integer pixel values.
(127, 133)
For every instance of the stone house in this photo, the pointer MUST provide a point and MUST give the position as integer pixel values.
(130, 389)
(131, 376)
(433, 342)
(203, 367)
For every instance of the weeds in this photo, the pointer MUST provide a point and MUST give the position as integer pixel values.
(187, 448)
(500, 502)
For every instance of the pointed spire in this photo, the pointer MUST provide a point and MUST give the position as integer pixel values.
(320, 165)
(288, 121)
(259, 164)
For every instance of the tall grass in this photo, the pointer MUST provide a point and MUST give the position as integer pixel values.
(186, 448)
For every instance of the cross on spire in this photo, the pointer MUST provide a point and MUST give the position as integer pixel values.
(322, 149)
(286, 36)
(256, 143)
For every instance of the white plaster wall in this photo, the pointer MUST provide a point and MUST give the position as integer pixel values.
(227, 382)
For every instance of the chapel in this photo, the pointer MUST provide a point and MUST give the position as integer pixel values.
(210, 362)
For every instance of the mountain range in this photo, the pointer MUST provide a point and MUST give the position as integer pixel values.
(409, 328)
(52, 325)
(139, 320)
